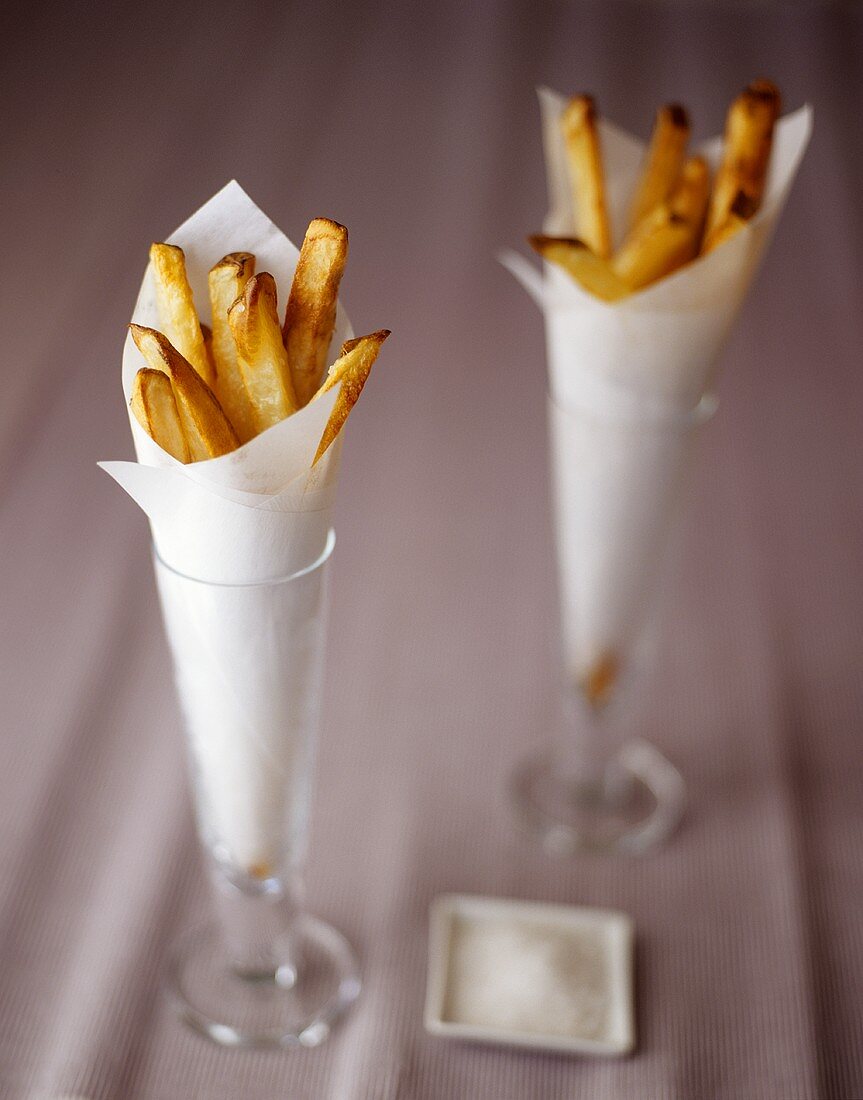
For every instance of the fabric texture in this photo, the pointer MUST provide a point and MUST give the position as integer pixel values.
(417, 126)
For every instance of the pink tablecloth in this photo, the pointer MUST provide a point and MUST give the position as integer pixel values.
(417, 126)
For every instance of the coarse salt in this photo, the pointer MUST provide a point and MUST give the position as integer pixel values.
(530, 976)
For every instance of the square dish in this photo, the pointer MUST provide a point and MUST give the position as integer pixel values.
(530, 974)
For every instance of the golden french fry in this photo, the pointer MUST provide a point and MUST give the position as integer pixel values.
(205, 426)
(227, 280)
(584, 157)
(689, 198)
(659, 245)
(155, 410)
(595, 275)
(261, 355)
(177, 312)
(351, 369)
(741, 211)
(311, 314)
(663, 161)
(748, 140)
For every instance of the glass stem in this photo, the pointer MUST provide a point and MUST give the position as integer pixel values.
(588, 748)
(582, 747)
(258, 918)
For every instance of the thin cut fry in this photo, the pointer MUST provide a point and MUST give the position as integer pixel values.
(663, 242)
(205, 426)
(662, 163)
(741, 211)
(156, 411)
(351, 369)
(263, 361)
(584, 155)
(177, 312)
(689, 198)
(595, 275)
(227, 281)
(748, 140)
(311, 314)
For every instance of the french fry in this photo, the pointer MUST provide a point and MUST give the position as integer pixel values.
(662, 242)
(670, 235)
(748, 140)
(263, 361)
(177, 312)
(663, 161)
(311, 313)
(155, 410)
(584, 156)
(592, 273)
(205, 426)
(227, 280)
(741, 211)
(351, 369)
(690, 196)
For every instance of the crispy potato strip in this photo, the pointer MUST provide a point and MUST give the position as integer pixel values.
(659, 245)
(748, 141)
(311, 313)
(662, 163)
(177, 312)
(155, 410)
(689, 198)
(742, 209)
(205, 426)
(351, 369)
(595, 275)
(584, 157)
(261, 355)
(674, 215)
(227, 280)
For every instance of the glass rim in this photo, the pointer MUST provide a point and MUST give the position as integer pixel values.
(655, 414)
(320, 561)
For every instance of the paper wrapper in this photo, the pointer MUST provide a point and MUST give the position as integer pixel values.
(253, 516)
(250, 696)
(616, 481)
(647, 360)
(260, 512)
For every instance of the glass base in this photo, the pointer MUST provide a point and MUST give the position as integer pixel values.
(282, 1008)
(635, 805)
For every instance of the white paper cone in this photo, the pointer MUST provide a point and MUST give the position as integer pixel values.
(246, 658)
(616, 483)
(262, 511)
(250, 697)
(647, 360)
(661, 344)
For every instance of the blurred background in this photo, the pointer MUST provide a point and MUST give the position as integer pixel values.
(417, 126)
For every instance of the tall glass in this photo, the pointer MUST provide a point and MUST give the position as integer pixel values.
(248, 663)
(618, 468)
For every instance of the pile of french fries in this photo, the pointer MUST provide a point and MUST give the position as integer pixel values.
(674, 216)
(205, 391)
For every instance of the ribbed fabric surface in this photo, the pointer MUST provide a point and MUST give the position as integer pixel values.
(417, 126)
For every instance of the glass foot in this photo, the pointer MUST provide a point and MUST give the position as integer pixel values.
(634, 807)
(288, 1006)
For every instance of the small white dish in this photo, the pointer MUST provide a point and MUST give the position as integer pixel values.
(529, 974)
